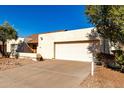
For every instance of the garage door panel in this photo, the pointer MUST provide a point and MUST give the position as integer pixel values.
(73, 51)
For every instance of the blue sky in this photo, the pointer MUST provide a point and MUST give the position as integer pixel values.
(29, 20)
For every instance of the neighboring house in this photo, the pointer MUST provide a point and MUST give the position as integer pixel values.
(26, 47)
(12, 45)
(67, 45)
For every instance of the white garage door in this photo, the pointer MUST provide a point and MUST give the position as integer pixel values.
(73, 51)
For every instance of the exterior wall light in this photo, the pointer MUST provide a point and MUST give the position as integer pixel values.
(41, 38)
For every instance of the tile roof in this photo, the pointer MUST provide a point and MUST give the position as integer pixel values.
(32, 39)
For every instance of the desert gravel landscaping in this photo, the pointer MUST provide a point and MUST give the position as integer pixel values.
(9, 63)
(104, 78)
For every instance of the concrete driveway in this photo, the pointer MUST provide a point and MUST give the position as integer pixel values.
(49, 74)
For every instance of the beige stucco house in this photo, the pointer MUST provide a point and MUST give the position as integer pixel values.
(73, 45)
(67, 45)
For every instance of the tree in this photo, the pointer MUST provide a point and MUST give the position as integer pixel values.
(117, 16)
(7, 32)
(109, 22)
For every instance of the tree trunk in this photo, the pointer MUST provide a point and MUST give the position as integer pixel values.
(105, 46)
(3, 49)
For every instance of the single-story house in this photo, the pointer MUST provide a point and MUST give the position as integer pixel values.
(67, 45)
(26, 47)
(77, 45)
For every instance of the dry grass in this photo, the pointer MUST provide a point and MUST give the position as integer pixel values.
(8, 63)
(104, 78)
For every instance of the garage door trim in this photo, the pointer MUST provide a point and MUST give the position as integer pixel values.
(80, 41)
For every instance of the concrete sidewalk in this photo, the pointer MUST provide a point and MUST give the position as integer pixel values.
(48, 74)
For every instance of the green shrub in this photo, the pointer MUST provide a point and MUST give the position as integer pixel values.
(119, 58)
(115, 61)
(114, 66)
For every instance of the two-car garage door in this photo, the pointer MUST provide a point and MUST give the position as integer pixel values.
(77, 51)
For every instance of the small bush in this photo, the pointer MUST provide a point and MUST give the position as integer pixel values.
(115, 61)
(39, 57)
(105, 59)
(16, 55)
(119, 58)
(114, 66)
(7, 54)
(98, 59)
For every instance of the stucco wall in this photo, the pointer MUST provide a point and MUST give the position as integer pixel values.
(46, 45)
(27, 55)
(10, 42)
